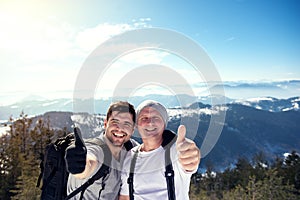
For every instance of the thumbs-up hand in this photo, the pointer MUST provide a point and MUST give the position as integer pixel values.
(76, 154)
(188, 153)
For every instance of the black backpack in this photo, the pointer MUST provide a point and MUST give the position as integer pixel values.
(169, 138)
(54, 172)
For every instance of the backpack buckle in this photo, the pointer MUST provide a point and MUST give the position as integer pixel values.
(130, 180)
(169, 173)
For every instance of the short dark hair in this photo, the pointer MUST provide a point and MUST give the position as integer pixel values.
(121, 107)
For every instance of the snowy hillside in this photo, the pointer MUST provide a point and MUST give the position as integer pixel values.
(272, 104)
(246, 129)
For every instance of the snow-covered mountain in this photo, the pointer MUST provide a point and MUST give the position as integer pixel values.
(246, 129)
(272, 93)
(37, 107)
(245, 90)
(271, 104)
(260, 117)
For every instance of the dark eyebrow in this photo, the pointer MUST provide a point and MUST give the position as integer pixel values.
(116, 120)
(127, 122)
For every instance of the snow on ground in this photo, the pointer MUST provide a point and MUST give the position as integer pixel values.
(3, 129)
(296, 105)
(258, 99)
(173, 112)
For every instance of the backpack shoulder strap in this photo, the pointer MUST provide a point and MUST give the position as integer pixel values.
(131, 174)
(169, 138)
(102, 172)
(128, 145)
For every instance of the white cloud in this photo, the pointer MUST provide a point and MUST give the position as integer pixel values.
(90, 38)
(145, 19)
(143, 57)
(50, 53)
(230, 39)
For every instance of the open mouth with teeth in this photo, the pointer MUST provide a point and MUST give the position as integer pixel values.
(150, 130)
(119, 135)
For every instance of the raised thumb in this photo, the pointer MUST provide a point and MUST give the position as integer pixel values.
(78, 137)
(181, 134)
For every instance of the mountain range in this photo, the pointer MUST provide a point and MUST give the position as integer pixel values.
(233, 91)
(256, 121)
(262, 125)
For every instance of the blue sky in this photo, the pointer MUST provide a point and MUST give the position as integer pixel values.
(44, 43)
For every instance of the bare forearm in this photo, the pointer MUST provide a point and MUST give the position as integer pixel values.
(123, 197)
(89, 168)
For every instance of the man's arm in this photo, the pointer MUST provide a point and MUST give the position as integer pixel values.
(90, 166)
(123, 197)
(188, 153)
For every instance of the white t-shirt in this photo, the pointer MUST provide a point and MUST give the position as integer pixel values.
(149, 180)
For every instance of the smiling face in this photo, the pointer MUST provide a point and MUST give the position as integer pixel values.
(119, 127)
(150, 123)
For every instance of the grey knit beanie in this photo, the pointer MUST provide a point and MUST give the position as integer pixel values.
(157, 106)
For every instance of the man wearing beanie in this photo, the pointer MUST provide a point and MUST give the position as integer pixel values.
(146, 163)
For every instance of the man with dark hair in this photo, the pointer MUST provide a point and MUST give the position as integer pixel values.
(84, 159)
